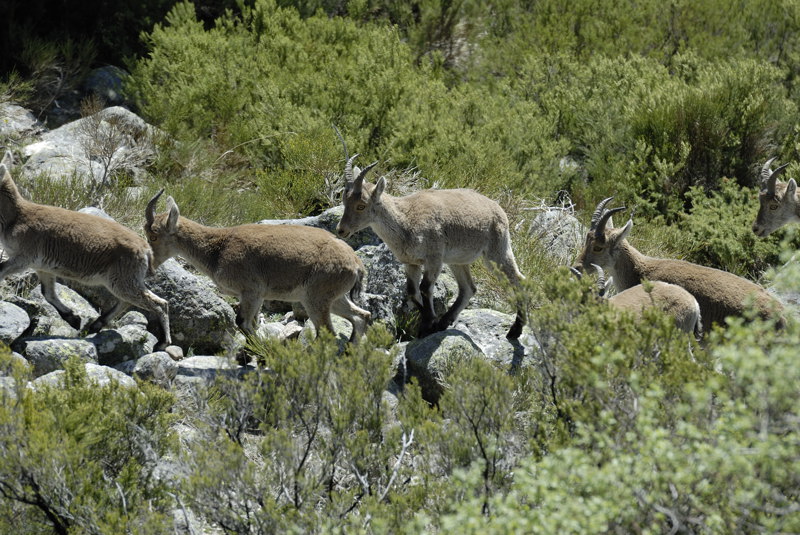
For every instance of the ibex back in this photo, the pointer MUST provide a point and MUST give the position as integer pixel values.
(55, 242)
(258, 262)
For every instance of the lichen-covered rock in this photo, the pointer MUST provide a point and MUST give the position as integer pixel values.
(96, 374)
(13, 322)
(16, 121)
(15, 360)
(158, 368)
(488, 328)
(126, 342)
(50, 354)
(433, 358)
(45, 319)
(81, 147)
(207, 367)
(385, 290)
(198, 317)
(559, 234)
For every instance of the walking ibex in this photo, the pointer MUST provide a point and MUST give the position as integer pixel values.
(55, 242)
(779, 203)
(428, 229)
(258, 262)
(719, 293)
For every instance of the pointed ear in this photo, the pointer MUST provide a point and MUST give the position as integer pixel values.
(174, 214)
(8, 159)
(623, 233)
(791, 188)
(6, 182)
(379, 187)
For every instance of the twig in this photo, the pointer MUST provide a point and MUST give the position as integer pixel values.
(407, 441)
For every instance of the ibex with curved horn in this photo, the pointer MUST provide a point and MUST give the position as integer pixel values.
(428, 229)
(720, 294)
(260, 262)
(779, 203)
(55, 242)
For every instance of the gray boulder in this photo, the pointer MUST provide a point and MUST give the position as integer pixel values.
(98, 375)
(16, 121)
(15, 360)
(44, 318)
(50, 354)
(433, 358)
(93, 147)
(13, 322)
(559, 233)
(158, 368)
(208, 367)
(198, 317)
(126, 342)
(384, 292)
(487, 329)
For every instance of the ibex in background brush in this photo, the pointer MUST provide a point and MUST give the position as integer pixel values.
(779, 203)
(719, 293)
(257, 262)
(55, 242)
(670, 298)
(428, 229)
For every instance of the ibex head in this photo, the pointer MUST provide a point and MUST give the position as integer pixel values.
(360, 198)
(777, 203)
(602, 239)
(160, 228)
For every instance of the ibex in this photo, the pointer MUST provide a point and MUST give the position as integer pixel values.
(720, 294)
(779, 203)
(428, 229)
(55, 242)
(258, 262)
(670, 298)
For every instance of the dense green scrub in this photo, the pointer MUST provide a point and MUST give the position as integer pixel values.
(672, 107)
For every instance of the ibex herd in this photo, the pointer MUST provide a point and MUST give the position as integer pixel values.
(424, 230)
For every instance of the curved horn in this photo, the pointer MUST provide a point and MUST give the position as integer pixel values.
(348, 169)
(150, 212)
(364, 171)
(601, 280)
(765, 172)
(599, 212)
(575, 271)
(601, 224)
(773, 178)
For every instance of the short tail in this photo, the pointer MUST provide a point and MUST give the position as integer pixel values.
(355, 291)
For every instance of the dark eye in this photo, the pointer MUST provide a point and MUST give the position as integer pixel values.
(773, 206)
(360, 207)
(597, 248)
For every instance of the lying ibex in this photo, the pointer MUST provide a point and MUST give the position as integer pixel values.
(55, 242)
(779, 203)
(670, 298)
(720, 294)
(428, 229)
(259, 262)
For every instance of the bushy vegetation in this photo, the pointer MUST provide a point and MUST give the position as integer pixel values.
(647, 431)
(613, 426)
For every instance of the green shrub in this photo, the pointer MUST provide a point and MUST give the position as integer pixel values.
(80, 458)
(718, 231)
